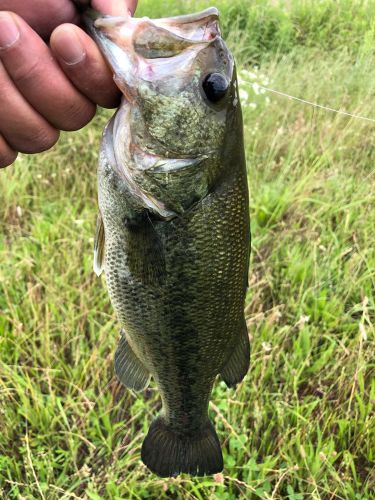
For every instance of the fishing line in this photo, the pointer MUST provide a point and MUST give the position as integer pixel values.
(326, 108)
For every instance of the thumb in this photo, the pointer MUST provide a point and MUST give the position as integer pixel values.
(115, 7)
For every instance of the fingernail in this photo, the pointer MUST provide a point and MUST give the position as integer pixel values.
(9, 33)
(69, 46)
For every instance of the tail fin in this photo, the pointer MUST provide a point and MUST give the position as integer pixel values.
(167, 453)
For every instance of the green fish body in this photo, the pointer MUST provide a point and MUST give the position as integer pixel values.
(173, 230)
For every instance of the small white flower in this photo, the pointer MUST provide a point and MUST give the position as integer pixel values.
(253, 105)
(249, 75)
(79, 222)
(266, 346)
(256, 88)
(245, 72)
(244, 95)
(362, 330)
(302, 321)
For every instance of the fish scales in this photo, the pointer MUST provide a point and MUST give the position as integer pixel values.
(173, 230)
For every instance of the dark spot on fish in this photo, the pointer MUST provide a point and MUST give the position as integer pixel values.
(131, 224)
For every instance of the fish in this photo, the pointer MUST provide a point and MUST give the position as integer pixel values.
(173, 230)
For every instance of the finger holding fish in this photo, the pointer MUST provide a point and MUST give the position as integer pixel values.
(7, 154)
(83, 64)
(82, 61)
(31, 68)
(114, 7)
(23, 128)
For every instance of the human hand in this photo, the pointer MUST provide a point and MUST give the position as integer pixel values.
(48, 88)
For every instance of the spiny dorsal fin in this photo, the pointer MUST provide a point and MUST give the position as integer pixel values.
(99, 246)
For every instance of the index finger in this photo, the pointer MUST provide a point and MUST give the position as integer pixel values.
(115, 7)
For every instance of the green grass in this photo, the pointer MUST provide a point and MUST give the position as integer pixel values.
(301, 425)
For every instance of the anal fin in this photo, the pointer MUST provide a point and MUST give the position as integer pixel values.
(237, 365)
(129, 369)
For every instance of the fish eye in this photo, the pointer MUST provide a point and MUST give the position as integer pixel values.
(215, 87)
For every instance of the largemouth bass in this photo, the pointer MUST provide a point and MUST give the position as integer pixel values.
(173, 229)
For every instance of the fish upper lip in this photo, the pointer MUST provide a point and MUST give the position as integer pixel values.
(208, 17)
(192, 18)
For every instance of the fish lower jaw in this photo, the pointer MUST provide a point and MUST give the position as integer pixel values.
(154, 163)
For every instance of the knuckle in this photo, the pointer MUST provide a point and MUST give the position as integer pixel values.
(7, 158)
(5, 88)
(7, 154)
(25, 73)
(78, 115)
(40, 141)
(49, 140)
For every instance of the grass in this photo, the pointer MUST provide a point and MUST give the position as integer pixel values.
(302, 424)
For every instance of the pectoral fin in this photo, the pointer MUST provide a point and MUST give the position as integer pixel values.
(129, 369)
(144, 250)
(237, 365)
(99, 246)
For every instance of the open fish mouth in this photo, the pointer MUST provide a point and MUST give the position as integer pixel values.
(150, 50)
(161, 33)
